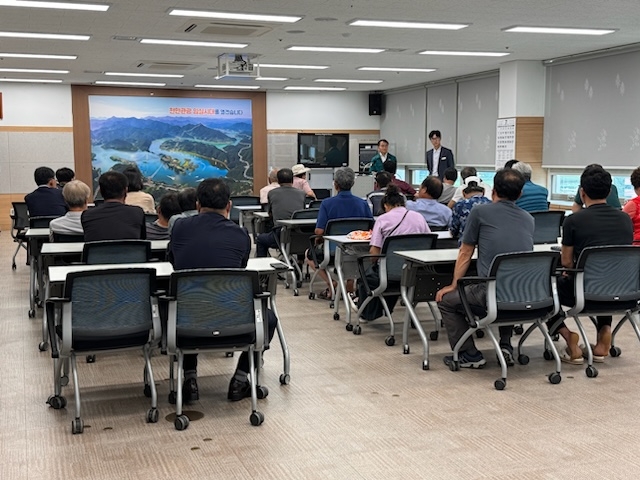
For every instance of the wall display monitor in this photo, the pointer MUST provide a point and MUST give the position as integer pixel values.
(322, 150)
(175, 142)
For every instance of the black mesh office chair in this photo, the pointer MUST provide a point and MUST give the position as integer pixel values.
(296, 240)
(315, 204)
(322, 193)
(41, 222)
(547, 226)
(238, 201)
(19, 225)
(103, 311)
(116, 251)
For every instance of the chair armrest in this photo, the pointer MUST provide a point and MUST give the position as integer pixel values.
(262, 295)
(561, 270)
(50, 305)
(166, 298)
(159, 293)
(462, 282)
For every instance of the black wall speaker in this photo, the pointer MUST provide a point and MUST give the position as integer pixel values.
(375, 104)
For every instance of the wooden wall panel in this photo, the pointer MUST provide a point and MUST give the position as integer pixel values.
(529, 136)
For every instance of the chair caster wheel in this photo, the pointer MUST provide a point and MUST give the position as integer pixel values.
(307, 277)
(287, 286)
(425, 364)
(284, 379)
(57, 402)
(32, 313)
(13, 267)
(454, 366)
(295, 292)
(547, 355)
(518, 330)
(77, 426)
(312, 296)
(298, 284)
(256, 418)
(332, 304)
(523, 359)
(406, 350)
(336, 316)
(39, 303)
(349, 327)
(172, 398)
(228, 354)
(554, 378)
(181, 422)
(480, 333)
(433, 336)
(64, 380)
(43, 346)
(147, 392)
(357, 330)
(390, 341)
(591, 371)
(262, 392)
(153, 415)
(500, 384)
(91, 359)
(615, 351)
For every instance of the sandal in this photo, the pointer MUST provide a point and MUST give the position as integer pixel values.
(565, 357)
(325, 294)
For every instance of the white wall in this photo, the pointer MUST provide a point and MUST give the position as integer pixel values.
(403, 125)
(36, 105)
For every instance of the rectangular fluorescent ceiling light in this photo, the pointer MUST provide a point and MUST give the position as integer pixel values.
(44, 36)
(137, 84)
(273, 79)
(29, 80)
(187, 43)
(301, 67)
(94, 7)
(464, 54)
(559, 30)
(320, 89)
(38, 55)
(156, 75)
(336, 49)
(422, 25)
(235, 16)
(32, 70)
(396, 69)
(229, 87)
(339, 80)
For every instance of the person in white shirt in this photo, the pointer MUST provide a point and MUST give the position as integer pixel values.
(76, 194)
(469, 174)
(273, 183)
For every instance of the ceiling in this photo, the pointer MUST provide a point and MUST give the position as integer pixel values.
(114, 44)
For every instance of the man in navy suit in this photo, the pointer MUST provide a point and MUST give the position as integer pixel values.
(443, 156)
(47, 199)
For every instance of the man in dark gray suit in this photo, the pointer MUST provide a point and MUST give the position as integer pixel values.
(443, 156)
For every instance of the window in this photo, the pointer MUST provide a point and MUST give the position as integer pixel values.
(564, 184)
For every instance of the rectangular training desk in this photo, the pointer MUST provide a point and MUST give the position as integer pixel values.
(246, 209)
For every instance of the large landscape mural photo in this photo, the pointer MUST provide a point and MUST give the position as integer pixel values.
(175, 142)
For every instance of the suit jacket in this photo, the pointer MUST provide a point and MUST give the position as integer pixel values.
(113, 221)
(377, 163)
(46, 202)
(445, 161)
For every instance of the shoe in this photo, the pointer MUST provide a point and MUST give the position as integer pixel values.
(565, 356)
(596, 358)
(507, 353)
(190, 392)
(325, 295)
(466, 360)
(238, 390)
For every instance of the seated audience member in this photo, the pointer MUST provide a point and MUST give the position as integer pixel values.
(273, 183)
(598, 224)
(495, 228)
(438, 216)
(77, 195)
(404, 187)
(187, 202)
(283, 202)
(473, 195)
(193, 240)
(632, 207)
(135, 195)
(382, 156)
(469, 174)
(168, 207)
(448, 187)
(613, 200)
(374, 199)
(113, 220)
(534, 198)
(47, 199)
(300, 180)
(343, 205)
(63, 176)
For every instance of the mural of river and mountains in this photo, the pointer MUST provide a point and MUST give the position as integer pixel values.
(175, 142)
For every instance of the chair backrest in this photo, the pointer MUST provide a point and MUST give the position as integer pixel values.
(230, 293)
(150, 217)
(107, 306)
(41, 222)
(238, 201)
(298, 238)
(611, 273)
(322, 193)
(64, 238)
(524, 280)
(306, 213)
(116, 251)
(376, 203)
(315, 204)
(20, 216)
(396, 243)
(547, 226)
(342, 226)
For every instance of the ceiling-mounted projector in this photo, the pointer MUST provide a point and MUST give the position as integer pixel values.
(236, 65)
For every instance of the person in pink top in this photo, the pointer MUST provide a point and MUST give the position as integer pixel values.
(632, 207)
(300, 180)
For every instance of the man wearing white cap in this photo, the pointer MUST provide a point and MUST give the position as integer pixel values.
(469, 174)
(300, 180)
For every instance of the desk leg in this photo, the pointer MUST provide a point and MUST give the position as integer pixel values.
(44, 344)
(284, 246)
(406, 292)
(273, 283)
(241, 219)
(32, 279)
(342, 295)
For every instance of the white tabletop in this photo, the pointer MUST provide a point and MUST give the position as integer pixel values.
(449, 255)
(261, 215)
(64, 248)
(37, 233)
(265, 264)
(297, 222)
(343, 239)
(59, 274)
(247, 208)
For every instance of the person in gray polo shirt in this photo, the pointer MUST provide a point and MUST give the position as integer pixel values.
(495, 228)
(283, 201)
